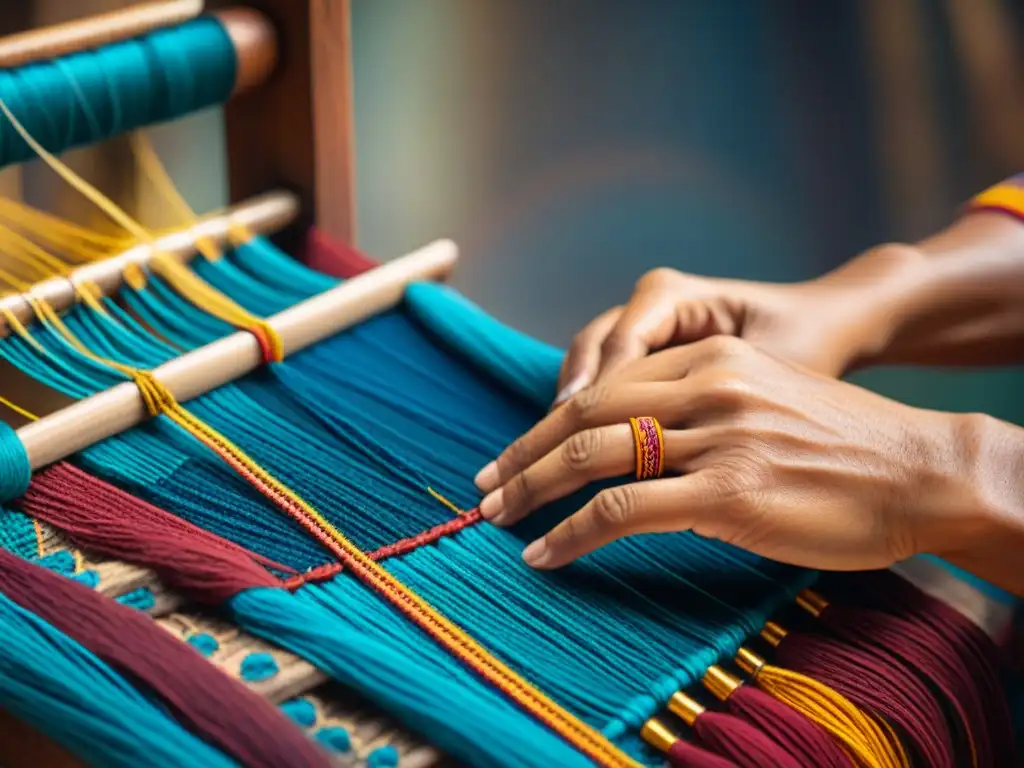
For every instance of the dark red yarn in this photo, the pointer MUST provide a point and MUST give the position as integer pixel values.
(805, 740)
(97, 516)
(880, 686)
(962, 647)
(683, 754)
(332, 257)
(740, 742)
(207, 702)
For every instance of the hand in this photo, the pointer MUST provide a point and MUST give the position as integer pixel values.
(823, 324)
(775, 459)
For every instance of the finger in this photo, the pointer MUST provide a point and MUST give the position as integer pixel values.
(584, 356)
(653, 506)
(593, 407)
(648, 322)
(586, 457)
(687, 360)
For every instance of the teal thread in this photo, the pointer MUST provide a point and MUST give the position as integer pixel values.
(86, 97)
(61, 561)
(66, 692)
(383, 757)
(90, 578)
(335, 738)
(141, 599)
(302, 712)
(206, 644)
(18, 534)
(15, 471)
(257, 667)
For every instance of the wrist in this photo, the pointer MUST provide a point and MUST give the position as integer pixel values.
(872, 294)
(976, 521)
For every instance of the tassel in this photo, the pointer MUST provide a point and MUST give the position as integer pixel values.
(876, 684)
(972, 653)
(807, 741)
(729, 736)
(925, 651)
(864, 739)
(220, 710)
(680, 753)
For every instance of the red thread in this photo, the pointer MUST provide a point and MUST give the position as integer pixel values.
(212, 705)
(740, 742)
(332, 257)
(401, 547)
(682, 754)
(105, 519)
(266, 351)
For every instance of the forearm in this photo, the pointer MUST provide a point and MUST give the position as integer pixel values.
(956, 298)
(991, 543)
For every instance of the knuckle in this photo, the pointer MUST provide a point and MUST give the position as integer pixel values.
(519, 490)
(580, 450)
(657, 277)
(729, 390)
(587, 404)
(517, 457)
(723, 347)
(613, 507)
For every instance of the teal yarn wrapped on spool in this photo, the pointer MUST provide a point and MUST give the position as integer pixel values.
(90, 96)
(15, 471)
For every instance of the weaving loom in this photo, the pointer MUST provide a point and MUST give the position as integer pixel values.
(248, 536)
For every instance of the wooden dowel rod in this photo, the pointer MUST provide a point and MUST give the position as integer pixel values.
(261, 215)
(94, 31)
(115, 410)
(251, 33)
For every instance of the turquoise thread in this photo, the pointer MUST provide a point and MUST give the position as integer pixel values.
(86, 97)
(141, 599)
(15, 471)
(257, 667)
(18, 534)
(302, 712)
(334, 738)
(383, 757)
(61, 561)
(206, 644)
(90, 578)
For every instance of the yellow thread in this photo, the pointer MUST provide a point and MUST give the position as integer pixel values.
(40, 549)
(869, 743)
(157, 174)
(18, 409)
(92, 296)
(14, 324)
(445, 501)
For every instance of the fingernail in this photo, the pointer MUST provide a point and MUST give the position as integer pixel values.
(537, 555)
(491, 506)
(487, 478)
(570, 389)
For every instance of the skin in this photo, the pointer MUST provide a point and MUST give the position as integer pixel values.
(765, 448)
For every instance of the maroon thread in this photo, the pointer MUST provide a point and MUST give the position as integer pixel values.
(683, 754)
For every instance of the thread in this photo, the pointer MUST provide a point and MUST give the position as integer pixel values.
(861, 737)
(213, 706)
(15, 470)
(805, 740)
(66, 692)
(680, 753)
(729, 736)
(911, 643)
(87, 97)
(888, 690)
(963, 647)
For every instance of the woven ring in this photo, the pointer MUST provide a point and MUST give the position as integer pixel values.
(650, 447)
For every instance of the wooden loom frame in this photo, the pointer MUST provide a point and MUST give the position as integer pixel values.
(278, 137)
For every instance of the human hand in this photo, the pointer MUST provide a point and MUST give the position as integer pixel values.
(787, 463)
(824, 324)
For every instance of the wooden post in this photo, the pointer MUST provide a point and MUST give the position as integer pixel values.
(296, 131)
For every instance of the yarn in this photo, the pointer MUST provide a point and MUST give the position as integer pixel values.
(86, 97)
(61, 689)
(213, 706)
(15, 471)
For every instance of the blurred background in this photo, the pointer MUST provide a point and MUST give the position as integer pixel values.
(571, 145)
